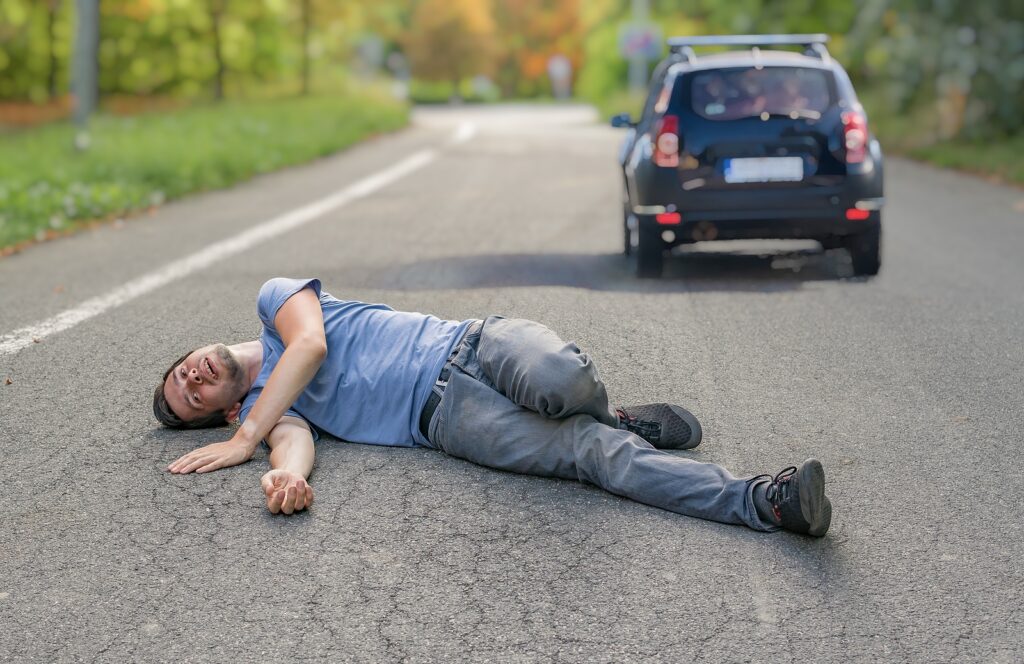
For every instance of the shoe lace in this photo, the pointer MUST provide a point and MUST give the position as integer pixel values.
(778, 490)
(643, 428)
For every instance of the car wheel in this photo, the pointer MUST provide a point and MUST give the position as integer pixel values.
(627, 241)
(650, 254)
(866, 251)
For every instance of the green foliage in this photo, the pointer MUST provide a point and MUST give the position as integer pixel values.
(167, 46)
(999, 158)
(35, 48)
(442, 92)
(964, 59)
(604, 71)
(135, 163)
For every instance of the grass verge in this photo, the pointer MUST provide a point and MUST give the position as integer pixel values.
(998, 158)
(48, 187)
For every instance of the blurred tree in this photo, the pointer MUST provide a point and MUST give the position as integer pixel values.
(307, 26)
(51, 7)
(531, 32)
(216, 9)
(964, 59)
(449, 39)
(325, 29)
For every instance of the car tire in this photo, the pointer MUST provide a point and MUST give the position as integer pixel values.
(627, 241)
(866, 251)
(627, 235)
(650, 254)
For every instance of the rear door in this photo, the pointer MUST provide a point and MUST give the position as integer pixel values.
(766, 127)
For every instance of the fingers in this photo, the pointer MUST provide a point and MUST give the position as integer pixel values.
(188, 462)
(274, 501)
(180, 463)
(211, 457)
(291, 498)
(213, 465)
(194, 463)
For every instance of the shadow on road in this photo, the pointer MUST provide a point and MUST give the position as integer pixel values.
(692, 270)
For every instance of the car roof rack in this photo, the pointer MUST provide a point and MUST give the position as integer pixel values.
(814, 44)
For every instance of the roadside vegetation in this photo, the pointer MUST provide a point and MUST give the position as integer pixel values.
(137, 162)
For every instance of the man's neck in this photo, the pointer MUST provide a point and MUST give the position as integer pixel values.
(250, 356)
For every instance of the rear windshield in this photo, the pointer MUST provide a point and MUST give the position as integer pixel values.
(728, 94)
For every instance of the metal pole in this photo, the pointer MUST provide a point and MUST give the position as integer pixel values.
(638, 63)
(84, 85)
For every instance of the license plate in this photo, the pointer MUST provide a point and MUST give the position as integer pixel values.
(764, 169)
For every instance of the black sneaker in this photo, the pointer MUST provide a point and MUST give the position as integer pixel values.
(795, 499)
(663, 425)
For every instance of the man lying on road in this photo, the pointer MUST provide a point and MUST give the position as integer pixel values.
(503, 393)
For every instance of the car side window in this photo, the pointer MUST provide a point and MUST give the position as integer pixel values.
(653, 94)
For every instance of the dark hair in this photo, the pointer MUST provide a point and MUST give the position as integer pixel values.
(167, 417)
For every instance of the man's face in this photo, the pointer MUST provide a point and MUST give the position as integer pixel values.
(209, 380)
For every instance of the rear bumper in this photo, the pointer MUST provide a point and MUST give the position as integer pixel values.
(825, 197)
(705, 225)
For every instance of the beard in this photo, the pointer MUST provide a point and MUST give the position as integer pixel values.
(235, 374)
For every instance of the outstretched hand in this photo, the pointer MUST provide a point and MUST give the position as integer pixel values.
(212, 457)
(286, 491)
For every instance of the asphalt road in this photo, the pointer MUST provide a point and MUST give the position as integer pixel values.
(908, 387)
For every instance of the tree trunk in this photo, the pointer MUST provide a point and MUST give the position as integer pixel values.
(307, 23)
(216, 12)
(51, 21)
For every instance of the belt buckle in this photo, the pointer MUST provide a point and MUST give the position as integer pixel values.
(445, 375)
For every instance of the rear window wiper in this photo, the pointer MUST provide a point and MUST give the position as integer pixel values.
(798, 113)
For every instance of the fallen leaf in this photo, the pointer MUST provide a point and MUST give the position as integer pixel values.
(36, 340)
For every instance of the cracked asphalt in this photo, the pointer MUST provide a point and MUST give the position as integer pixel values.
(908, 387)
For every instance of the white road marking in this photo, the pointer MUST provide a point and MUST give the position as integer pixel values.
(466, 131)
(12, 342)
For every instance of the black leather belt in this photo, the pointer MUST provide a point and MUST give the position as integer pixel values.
(442, 381)
(433, 400)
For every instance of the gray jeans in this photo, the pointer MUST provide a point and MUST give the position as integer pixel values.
(520, 399)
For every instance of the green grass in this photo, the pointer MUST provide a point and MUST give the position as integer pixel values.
(135, 163)
(999, 158)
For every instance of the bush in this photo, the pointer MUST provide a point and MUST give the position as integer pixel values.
(139, 162)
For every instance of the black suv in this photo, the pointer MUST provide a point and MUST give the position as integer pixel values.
(751, 143)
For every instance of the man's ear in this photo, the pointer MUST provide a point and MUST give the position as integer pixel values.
(232, 413)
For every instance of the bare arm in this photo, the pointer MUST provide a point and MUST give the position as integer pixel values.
(291, 458)
(300, 322)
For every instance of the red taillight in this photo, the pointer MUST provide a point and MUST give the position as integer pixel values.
(666, 141)
(668, 218)
(855, 136)
(856, 214)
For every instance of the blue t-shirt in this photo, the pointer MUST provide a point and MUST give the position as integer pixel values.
(380, 366)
